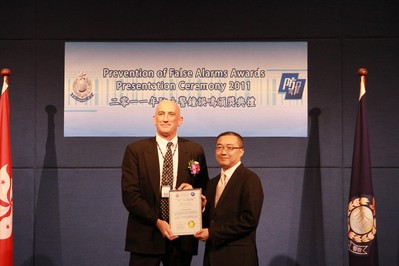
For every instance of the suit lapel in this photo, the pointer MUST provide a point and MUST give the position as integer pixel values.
(212, 191)
(233, 181)
(152, 161)
(184, 158)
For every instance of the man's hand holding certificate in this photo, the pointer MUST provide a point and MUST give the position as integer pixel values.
(185, 215)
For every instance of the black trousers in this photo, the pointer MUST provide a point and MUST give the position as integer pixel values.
(174, 256)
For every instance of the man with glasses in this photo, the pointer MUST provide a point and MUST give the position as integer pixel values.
(233, 208)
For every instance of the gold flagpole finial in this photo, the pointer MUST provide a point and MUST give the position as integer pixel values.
(5, 72)
(362, 72)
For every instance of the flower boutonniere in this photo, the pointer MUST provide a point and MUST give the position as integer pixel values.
(194, 167)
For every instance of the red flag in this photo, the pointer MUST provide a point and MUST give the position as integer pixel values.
(6, 207)
(362, 228)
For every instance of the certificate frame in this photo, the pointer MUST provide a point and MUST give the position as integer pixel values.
(185, 212)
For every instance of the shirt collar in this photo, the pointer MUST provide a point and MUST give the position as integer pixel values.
(229, 172)
(163, 142)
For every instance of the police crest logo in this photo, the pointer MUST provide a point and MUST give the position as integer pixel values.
(82, 89)
(362, 226)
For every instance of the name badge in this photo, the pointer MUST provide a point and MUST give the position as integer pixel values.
(165, 191)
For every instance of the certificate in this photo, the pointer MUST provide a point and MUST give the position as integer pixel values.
(185, 215)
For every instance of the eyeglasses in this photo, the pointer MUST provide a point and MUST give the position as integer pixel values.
(228, 148)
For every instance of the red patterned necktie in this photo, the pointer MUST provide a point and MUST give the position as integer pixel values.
(167, 180)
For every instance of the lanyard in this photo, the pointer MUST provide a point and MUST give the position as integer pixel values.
(163, 156)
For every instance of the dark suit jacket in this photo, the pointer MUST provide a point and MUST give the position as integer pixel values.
(232, 223)
(141, 193)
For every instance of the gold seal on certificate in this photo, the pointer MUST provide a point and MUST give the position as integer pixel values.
(185, 215)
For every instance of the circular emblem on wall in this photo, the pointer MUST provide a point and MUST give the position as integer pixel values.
(82, 89)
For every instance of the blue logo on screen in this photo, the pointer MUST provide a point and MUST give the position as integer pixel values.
(292, 86)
